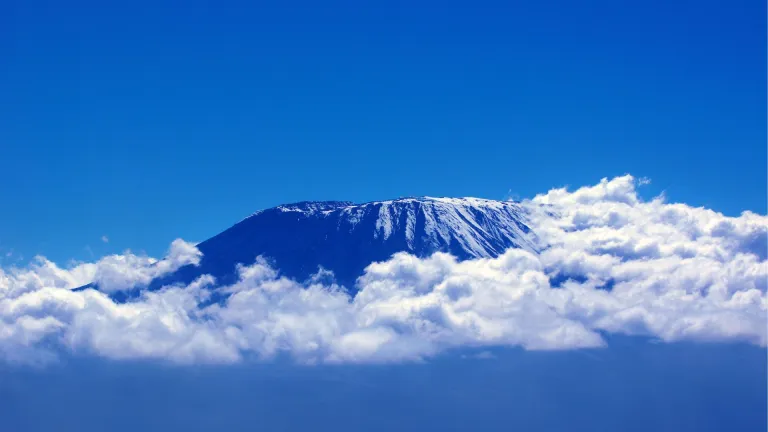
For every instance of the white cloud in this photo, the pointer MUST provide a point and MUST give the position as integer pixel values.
(667, 271)
(111, 273)
(105, 239)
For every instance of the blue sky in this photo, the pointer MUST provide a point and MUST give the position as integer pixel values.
(149, 121)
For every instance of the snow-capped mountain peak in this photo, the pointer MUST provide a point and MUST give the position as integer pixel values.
(345, 237)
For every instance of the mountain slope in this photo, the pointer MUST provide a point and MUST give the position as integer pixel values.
(344, 237)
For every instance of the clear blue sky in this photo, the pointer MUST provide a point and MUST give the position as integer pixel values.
(159, 119)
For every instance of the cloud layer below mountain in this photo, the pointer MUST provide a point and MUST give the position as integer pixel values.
(613, 263)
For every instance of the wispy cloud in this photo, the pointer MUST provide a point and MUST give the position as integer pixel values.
(105, 239)
(623, 265)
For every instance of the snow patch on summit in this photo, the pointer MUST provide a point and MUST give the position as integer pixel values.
(481, 228)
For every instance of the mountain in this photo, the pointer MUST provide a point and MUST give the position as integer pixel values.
(345, 237)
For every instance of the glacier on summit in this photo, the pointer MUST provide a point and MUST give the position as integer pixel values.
(344, 238)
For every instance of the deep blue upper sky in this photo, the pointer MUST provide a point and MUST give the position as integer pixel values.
(159, 119)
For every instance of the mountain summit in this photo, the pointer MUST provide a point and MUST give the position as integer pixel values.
(344, 237)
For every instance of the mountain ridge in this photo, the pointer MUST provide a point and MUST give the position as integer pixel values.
(344, 237)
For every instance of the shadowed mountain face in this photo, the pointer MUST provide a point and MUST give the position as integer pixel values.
(345, 238)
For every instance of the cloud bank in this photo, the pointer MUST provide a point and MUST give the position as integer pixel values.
(612, 263)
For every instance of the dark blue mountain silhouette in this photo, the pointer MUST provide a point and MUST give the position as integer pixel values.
(344, 237)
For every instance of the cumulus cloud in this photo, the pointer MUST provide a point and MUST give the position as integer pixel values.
(611, 262)
(111, 273)
(676, 272)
